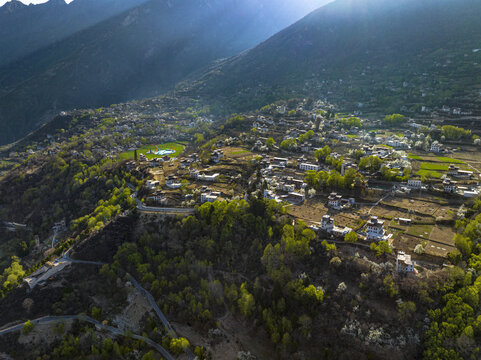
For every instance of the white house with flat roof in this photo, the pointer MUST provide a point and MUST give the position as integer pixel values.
(415, 183)
(309, 166)
(375, 229)
(404, 263)
(327, 224)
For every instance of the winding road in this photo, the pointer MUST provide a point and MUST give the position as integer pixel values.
(115, 331)
(147, 295)
(153, 209)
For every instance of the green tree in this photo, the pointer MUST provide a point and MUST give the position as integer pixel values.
(179, 345)
(406, 311)
(389, 288)
(394, 120)
(351, 237)
(270, 142)
(246, 301)
(28, 326)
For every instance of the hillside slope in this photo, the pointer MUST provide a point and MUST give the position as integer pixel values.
(383, 54)
(140, 53)
(25, 29)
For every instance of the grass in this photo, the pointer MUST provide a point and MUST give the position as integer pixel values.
(420, 230)
(352, 136)
(450, 160)
(143, 150)
(414, 157)
(240, 152)
(429, 174)
(434, 166)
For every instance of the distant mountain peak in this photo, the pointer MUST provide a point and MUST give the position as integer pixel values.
(12, 6)
(57, 3)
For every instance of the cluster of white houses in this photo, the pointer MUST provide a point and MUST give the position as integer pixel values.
(217, 156)
(456, 172)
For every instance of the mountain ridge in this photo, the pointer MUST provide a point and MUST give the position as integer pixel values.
(345, 39)
(140, 53)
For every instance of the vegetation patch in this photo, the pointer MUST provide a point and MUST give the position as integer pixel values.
(420, 230)
(414, 157)
(238, 152)
(429, 173)
(435, 167)
(450, 160)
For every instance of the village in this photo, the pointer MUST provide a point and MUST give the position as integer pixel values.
(402, 188)
(399, 182)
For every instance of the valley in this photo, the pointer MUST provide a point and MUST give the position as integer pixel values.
(201, 180)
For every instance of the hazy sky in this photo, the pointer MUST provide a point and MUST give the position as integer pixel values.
(29, 1)
(309, 2)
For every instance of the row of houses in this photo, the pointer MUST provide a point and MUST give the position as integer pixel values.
(197, 175)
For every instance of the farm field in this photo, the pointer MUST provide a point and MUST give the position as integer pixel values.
(236, 152)
(434, 166)
(429, 174)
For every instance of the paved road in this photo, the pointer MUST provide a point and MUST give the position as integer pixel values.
(159, 312)
(67, 258)
(98, 325)
(166, 210)
(143, 208)
(145, 293)
(152, 302)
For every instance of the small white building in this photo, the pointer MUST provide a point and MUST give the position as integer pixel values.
(334, 201)
(269, 195)
(307, 147)
(295, 197)
(283, 186)
(151, 184)
(450, 186)
(415, 183)
(327, 224)
(194, 174)
(210, 178)
(309, 166)
(375, 229)
(436, 147)
(404, 263)
(453, 170)
(211, 197)
(172, 182)
(281, 162)
(217, 155)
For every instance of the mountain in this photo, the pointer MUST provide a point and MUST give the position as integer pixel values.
(25, 29)
(139, 53)
(375, 55)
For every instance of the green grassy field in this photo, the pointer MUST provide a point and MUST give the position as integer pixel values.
(143, 150)
(240, 152)
(434, 166)
(429, 174)
(414, 157)
(420, 230)
(450, 160)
